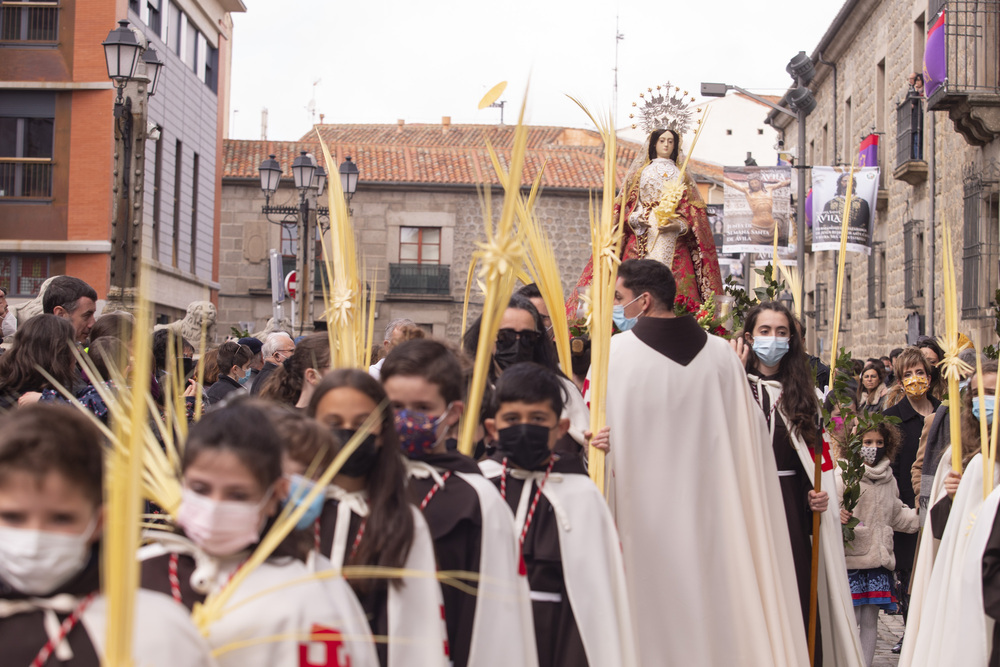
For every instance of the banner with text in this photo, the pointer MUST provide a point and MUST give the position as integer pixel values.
(757, 206)
(829, 190)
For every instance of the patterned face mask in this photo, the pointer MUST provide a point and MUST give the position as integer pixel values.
(871, 455)
(418, 432)
(916, 385)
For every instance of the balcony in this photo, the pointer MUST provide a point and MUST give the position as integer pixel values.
(420, 279)
(25, 178)
(29, 23)
(910, 164)
(971, 91)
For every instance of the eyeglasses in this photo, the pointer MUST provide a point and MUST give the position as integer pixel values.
(507, 337)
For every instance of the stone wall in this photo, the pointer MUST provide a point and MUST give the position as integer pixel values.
(884, 32)
(379, 211)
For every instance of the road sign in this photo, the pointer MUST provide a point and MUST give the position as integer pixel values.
(290, 283)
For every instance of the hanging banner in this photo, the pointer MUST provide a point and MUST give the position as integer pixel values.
(757, 203)
(935, 63)
(829, 190)
(868, 151)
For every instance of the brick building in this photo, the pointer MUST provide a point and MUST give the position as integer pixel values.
(417, 211)
(57, 143)
(933, 166)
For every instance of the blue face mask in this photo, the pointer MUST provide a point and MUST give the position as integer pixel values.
(299, 487)
(246, 376)
(989, 402)
(618, 315)
(770, 350)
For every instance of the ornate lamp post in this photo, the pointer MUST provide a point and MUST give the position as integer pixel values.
(135, 70)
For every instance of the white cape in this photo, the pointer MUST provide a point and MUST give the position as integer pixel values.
(591, 559)
(942, 628)
(694, 487)
(840, 641)
(927, 551)
(417, 633)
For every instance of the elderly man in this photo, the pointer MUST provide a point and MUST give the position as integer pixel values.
(277, 347)
(393, 336)
(9, 322)
(74, 300)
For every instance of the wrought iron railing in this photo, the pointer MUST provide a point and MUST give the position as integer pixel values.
(972, 47)
(428, 279)
(909, 130)
(36, 22)
(25, 178)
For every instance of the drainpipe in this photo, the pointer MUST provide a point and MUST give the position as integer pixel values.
(930, 269)
(833, 66)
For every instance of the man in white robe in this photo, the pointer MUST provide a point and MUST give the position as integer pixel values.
(694, 488)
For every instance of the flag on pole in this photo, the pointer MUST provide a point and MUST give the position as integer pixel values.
(868, 153)
(935, 63)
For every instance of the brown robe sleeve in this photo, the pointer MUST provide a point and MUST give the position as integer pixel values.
(916, 470)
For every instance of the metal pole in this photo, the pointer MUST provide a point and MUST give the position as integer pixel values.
(800, 210)
(304, 275)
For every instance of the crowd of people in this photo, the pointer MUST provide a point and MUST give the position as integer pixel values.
(417, 553)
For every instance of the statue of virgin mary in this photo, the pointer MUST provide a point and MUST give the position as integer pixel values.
(676, 233)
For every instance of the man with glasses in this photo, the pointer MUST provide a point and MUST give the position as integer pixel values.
(277, 347)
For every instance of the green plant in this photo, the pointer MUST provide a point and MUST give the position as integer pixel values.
(236, 332)
(743, 302)
(854, 425)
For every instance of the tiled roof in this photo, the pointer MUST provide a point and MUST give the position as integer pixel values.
(441, 154)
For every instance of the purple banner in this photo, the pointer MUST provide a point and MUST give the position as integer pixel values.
(868, 153)
(935, 63)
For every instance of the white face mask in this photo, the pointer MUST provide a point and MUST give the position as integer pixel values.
(37, 562)
(220, 528)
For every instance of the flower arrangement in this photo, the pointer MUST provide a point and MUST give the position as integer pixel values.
(704, 314)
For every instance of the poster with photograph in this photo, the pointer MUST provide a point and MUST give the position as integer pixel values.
(829, 190)
(757, 206)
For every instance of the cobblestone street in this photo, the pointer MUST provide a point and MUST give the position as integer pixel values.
(890, 629)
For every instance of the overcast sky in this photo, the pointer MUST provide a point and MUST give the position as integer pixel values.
(419, 60)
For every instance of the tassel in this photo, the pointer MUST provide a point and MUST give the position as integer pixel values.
(522, 569)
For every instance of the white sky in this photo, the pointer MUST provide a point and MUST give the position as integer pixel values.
(381, 60)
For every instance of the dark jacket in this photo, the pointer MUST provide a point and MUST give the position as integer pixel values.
(221, 389)
(261, 377)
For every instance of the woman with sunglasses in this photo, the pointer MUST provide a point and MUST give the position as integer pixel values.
(522, 338)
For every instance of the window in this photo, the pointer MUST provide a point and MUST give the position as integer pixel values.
(909, 129)
(191, 47)
(876, 281)
(35, 22)
(133, 6)
(23, 275)
(913, 263)
(174, 28)
(419, 245)
(880, 123)
(154, 20)
(157, 186)
(826, 136)
(212, 68)
(729, 133)
(979, 253)
(919, 41)
(27, 139)
(760, 131)
(845, 304)
(195, 167)
(178, 173)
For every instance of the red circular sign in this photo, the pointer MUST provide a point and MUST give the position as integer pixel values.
(290, 283)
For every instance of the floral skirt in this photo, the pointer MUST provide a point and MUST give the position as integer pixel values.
(872, 586)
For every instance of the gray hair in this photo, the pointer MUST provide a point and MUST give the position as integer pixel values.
(272, 342)
(395, 324)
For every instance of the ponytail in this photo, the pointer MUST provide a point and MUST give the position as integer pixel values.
(284, 384)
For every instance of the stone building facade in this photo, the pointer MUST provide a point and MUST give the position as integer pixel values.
(413, 177)
(933, 168)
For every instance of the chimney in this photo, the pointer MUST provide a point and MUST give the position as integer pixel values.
(399, 125)
(445, 123)
(321, 117)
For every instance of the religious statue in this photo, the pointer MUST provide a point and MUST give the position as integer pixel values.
(664, 212)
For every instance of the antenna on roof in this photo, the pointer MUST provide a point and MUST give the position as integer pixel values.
(499, 105)
(311, 107)
(618, 38)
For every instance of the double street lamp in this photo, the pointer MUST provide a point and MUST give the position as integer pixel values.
(135, 69)
(801, 103)
(310, 180)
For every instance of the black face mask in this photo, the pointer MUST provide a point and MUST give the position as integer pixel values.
(527, 445)
(362, 459)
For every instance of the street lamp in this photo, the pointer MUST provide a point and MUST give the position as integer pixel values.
(303, 168)
(270, 174)
(124, 49)
(349, 179)
(319, 181)
(801, 103)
